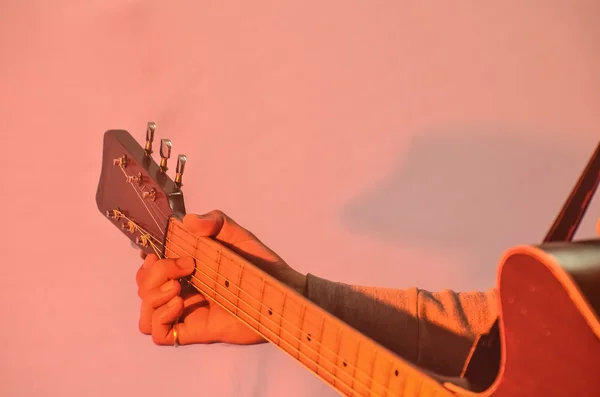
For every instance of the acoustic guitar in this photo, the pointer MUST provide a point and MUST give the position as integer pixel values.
(546, 341)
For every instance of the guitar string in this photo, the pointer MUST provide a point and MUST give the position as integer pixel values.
(407, 372)
(295, 339)
(155, 248)
(369, 377)
(241, 290)
(157, 207)
(299, 340)
(261, 316)
(127, 178)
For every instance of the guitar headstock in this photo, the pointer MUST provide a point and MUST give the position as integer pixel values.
(135, 193)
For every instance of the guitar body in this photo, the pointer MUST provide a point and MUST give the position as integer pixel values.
(549, 328)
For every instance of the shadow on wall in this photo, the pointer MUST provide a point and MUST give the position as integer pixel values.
(475, 194)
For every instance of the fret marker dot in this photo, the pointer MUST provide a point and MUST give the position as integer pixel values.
(396, 372)
(308, 337)
(226, 283)
(270, 312)
(345, 364)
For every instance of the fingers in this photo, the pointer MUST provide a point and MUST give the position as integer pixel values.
(217, 224)
(162, 323)
(241, 241)
(154, 299)
(162, 271)
(157, 285)
(149, 260)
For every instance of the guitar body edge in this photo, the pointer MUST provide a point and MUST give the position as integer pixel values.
(548, 323)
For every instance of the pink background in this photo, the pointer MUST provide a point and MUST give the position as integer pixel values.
(383, 143)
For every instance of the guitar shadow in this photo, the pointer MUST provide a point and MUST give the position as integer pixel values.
(475, 194)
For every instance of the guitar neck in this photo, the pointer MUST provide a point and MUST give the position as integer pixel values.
(350, 362)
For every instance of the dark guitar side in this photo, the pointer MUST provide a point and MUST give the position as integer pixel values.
(550, 298)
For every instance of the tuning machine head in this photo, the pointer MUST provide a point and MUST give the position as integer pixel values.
(181, 160)
(150, 128)
(165, 154)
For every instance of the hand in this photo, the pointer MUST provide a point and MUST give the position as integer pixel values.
(164, 300)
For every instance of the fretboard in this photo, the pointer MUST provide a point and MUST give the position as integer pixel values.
(353, 364)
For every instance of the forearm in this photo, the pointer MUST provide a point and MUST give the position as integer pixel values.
(433, 330)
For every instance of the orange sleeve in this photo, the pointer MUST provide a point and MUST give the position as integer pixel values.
(434, 330)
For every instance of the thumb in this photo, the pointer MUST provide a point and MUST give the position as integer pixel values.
(225, 230)
(218, 225)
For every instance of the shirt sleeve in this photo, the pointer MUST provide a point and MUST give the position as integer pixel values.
(435, 330)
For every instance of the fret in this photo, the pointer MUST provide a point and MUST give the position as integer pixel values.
(249, 305)
(310, 340)
(262, 296)
(281, 315)
(239, 289)
(207, 274)
(222, 292)
(218, 262)
(327, 355)
(388, 384)
(320, 341)
(272, 304)
(227, 292)
(179, 245)
(372, 371)
(301, 326)
(346, 363)
(292, 335)
(397, 379)
(175, 244)
(356, 362)
(381, 373)
(337, 356)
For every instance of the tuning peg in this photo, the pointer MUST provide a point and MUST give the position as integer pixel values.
(129, 226)
(165, 154)
(181, 160)
(142, 241)
(150, 128)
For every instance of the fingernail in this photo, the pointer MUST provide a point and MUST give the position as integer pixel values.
(202, 216)
(167, 286)
(173, 301)
(186, 263)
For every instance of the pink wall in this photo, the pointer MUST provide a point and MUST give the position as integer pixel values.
(375, 144)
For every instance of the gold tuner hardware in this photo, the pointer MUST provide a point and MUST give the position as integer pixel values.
(142, 240)
(135, 179)
(181, 160)
(129, 226)
(150, 128)
(114, 214)
(121, 161)
(165, 154)
(151, 194)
